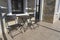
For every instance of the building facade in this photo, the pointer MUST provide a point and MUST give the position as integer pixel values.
(43, 10)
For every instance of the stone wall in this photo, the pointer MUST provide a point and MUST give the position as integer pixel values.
(48, 10)
(3, 3)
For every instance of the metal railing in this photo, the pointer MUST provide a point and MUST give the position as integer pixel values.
(1, 20)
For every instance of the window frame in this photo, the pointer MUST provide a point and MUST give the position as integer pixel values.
(10, 8)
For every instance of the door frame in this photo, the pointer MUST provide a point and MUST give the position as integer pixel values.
(41, 10)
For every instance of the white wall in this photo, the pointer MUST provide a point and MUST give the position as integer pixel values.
(56, 14)
(59, 8)
(41, 9)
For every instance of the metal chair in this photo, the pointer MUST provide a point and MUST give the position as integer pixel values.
(9, 19)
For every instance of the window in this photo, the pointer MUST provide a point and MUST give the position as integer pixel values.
(17, 6)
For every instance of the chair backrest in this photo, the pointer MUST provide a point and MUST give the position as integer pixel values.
(10, 18)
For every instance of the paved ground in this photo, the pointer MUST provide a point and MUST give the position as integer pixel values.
(40, 33)
(55, 26)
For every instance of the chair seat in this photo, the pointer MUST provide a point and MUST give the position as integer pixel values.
(10, 18)
(15, 25)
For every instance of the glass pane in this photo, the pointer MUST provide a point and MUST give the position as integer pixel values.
(17, 6)
(31, 5)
